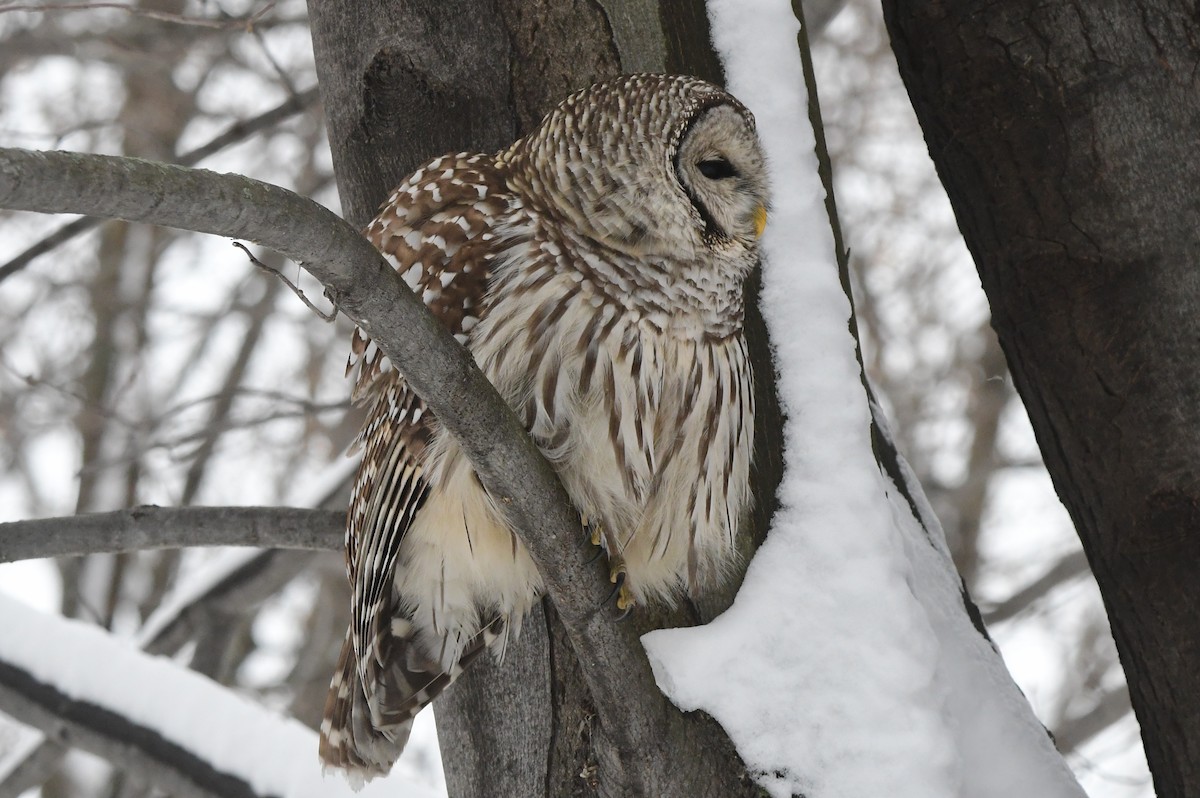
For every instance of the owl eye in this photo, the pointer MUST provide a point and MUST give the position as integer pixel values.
(716, 168)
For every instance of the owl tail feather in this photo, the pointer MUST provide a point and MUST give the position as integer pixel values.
(365, 744)
(349, 741)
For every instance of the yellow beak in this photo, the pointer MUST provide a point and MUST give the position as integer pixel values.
(760, 219)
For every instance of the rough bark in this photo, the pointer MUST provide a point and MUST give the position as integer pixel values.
(1065, 134)
(529, 726)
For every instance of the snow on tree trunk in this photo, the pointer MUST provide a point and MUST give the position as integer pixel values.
(848, 664)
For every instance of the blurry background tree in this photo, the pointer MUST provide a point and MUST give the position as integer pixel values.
(141, 365)
(930, 348)
(1064, 134)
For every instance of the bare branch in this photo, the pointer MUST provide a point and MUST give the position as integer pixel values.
(60, 236)
(143, 528)
(246, 22)
(1070, 566)
(220, 409)
(243, 129)
(238, 590)
(367, 290)
(238, 131)
(29, 766)
(1109, 708)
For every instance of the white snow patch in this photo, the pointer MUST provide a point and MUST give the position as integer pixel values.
(846, 666)
(275, 755)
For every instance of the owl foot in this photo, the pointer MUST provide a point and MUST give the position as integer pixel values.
(593, 531)
(617, 572)
(618, 575)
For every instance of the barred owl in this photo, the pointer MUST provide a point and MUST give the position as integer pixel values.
(595, 270)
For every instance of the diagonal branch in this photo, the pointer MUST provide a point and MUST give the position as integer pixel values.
(236, 588)
(143, 528)
(1069, 566)
(1110, 707)
(367, 290)
(28, 764)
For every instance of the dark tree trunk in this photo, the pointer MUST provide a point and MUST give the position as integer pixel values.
(405, 81)
(1066, 136)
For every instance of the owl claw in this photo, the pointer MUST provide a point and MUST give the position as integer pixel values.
(618, 575)
(618, 580)
(625, 601)
(595, 538)
(618, 571)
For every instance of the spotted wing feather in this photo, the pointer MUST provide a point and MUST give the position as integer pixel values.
(435, 230)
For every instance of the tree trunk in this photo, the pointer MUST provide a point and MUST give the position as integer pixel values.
(405, 81)
(1065, 134)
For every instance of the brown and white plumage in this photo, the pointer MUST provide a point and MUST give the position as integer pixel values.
(595, 271)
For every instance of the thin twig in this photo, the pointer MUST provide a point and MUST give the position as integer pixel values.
(246, 22)
(284, 77)
(238, 131)
(328, 318)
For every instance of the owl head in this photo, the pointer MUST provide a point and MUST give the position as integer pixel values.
(653, 165)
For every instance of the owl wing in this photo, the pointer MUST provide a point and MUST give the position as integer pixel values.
(437, 231)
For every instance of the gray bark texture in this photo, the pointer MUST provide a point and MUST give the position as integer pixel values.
(1066, 136)
(146, 528)
(403, 82)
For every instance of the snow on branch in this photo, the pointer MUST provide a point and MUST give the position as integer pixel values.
(143, 528)
(175, 728)
(241, 579)
(365, 288)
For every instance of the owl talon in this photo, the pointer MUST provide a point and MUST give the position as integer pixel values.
(618, 581)
(618, 575)
(617, 570)
(625, 601)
